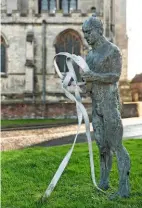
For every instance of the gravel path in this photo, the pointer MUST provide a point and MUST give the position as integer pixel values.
(60, 135)
(19, 139)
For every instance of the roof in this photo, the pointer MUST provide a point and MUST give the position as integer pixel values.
(137, 78)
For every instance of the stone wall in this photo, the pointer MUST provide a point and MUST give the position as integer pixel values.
(49, 110)
(15, 29)
(85, 6)
(59, 110)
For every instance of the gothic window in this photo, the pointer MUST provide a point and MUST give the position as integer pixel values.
(51, 5)
(68, 5)
(3, 55)
(47, 5)
(70, 42)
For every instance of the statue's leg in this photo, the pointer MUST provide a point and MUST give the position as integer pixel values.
(105, 167)
(123, 161)
(105, 153)
(114, 132)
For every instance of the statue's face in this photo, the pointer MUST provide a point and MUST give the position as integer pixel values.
(90, 34)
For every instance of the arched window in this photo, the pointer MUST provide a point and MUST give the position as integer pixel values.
(3, 56)
(68, 41)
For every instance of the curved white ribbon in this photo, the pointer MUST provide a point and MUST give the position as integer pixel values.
(81, 113)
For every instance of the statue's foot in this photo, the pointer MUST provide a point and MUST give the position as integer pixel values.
(118, 195)
(104, 186)
(114, 196)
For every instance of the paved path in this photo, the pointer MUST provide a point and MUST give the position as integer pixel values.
(132, 127)
(61, 135)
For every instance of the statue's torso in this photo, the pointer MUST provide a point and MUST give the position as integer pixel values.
(99, 61)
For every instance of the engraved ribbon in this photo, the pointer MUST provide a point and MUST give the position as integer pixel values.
(81, 114)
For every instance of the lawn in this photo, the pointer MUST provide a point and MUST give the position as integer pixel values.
(26, 174)
(29, 122)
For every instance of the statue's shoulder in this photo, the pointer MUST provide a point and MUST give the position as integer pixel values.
(114, 49)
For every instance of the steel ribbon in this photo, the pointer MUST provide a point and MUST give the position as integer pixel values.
(81, 114)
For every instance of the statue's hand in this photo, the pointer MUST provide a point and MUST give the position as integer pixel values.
(87, 76)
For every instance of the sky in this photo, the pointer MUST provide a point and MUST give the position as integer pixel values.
(134, 32)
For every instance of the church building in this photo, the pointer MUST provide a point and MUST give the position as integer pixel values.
(32, 33)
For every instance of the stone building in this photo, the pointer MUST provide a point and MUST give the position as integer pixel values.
(32, 32)
(136, 88)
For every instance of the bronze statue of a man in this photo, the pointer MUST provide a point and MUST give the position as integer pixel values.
(105, 62)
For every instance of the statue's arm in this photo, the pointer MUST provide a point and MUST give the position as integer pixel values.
(115, 63)
(104, 77)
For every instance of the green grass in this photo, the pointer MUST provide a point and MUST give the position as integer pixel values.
(28, 122)
(26, 174)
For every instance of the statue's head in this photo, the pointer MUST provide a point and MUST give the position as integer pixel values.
(92, 29)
